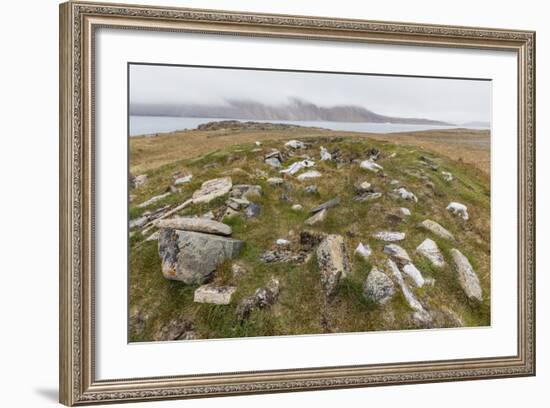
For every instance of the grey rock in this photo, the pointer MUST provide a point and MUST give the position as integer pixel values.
(458, 209)
(246, 191)
(317, 218)
(309, 175)
(312, 189)
(273, 162)
(192, 257)
(397, 253)
(412, 272)
(328, 204)
(253, 211)
(138, 222)
(237, 270)
(363, 187)
(274, 154)
(378, 287)
(275, 181)
(214, 294)
(405, 194)
(183, 180)
(447, 176)
(364, 251)
(370, 165)
(389, 236)
(437, 229)
(367, 196)
(153, 237)
(263, 298)
(139, 181)
(195, 224)
(175, 329)
(430, 250)
(212, 189)
(153, 200)
(405, 211)
(333, 262)
(466, 276)
(237, 203)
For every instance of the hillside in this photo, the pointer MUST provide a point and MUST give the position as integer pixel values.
(280, 275)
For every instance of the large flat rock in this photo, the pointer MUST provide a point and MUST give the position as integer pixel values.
(466, 276)
(437, 229)
(195, 224)
(333, 262)
(214, 294)
(212, 189)
(192, 257)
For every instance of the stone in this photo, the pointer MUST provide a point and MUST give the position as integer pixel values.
(325, 155)
(153, 200)
(275, 181)
(371, 166)
(378, 287)
(459, 210)
(364, 251)
(194, 224)
(374, 154)
(246, 191)
(153, 237)
(176, 329)
(333, 262)
(412, 271)
(405, 194)
(295, 144)
(363, 187)
(391, 156)
(394, 182)
(192, 257)
(389, 236)
(258, 143)
(214, 294)
(237, 203)
(237, 270)
(183, 180)
(367, 196)
(253, 210)
(437, 229)
(309, 175)
(208, 215)
(274, 154)
(326, 205)
(409, 297)
(430, 250)
(397, 253)
(283, 254)
(405, 211)
(273, 162)
(447, 176)
(297, 166)
(311, 189)
(263, 298)
(282, 242)
(139, 181)
(297, 207)
(138, 222)
(317, 218)
(212, 189)
(466, 276)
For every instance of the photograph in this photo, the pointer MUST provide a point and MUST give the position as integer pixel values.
(266, 202)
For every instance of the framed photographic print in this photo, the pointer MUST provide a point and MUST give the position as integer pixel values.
(260, 203)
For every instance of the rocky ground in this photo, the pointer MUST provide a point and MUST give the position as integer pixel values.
(319, 234)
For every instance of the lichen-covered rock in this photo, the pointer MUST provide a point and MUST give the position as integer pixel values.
(364, 251)
(194, 224)
(412, 272)
(389, 236)
(378, 287)
(316, 218)
(437, 229)
(326, 205)
(371, 166)
(466, 276)
(212, 189)
(183, 180)
(192, 257)
(214, 294)
(154, 200)
(309, 175)
(333, 262)
(405, 194)
(273, 162)
(263, 298)
(397, 253)
(275, 181)
(430, 250)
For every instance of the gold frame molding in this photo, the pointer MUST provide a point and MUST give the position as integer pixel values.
(78, 22)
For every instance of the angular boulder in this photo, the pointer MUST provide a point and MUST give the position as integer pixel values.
(195, 224)
(212, 189)
(214, 294)
(378, 287)
(333, 262)
(437, 229)
(430, 250)
(458, 209)
(397, 253)
(192, 257)
(466, 276)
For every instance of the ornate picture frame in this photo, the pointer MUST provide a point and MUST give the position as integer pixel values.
(78, 24)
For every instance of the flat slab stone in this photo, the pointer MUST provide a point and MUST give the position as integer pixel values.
(214, 294)
(273, 162)
(389, 236)
(309, 175)
(195, 224)
(328, 204)
(183, 180)
(370, 165)
(297, 166)
(275, 181)
(466, 276)
(412, 272)
(333, 262)
(192, 257)
(430, 250)
(316, 218)
(397, 253)
(437, 229)
(153, 200)
(212, 189)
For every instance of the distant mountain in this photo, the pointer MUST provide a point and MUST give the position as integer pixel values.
(295, 110)
(478, 124)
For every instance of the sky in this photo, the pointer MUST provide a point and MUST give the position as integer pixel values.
(451, 100)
